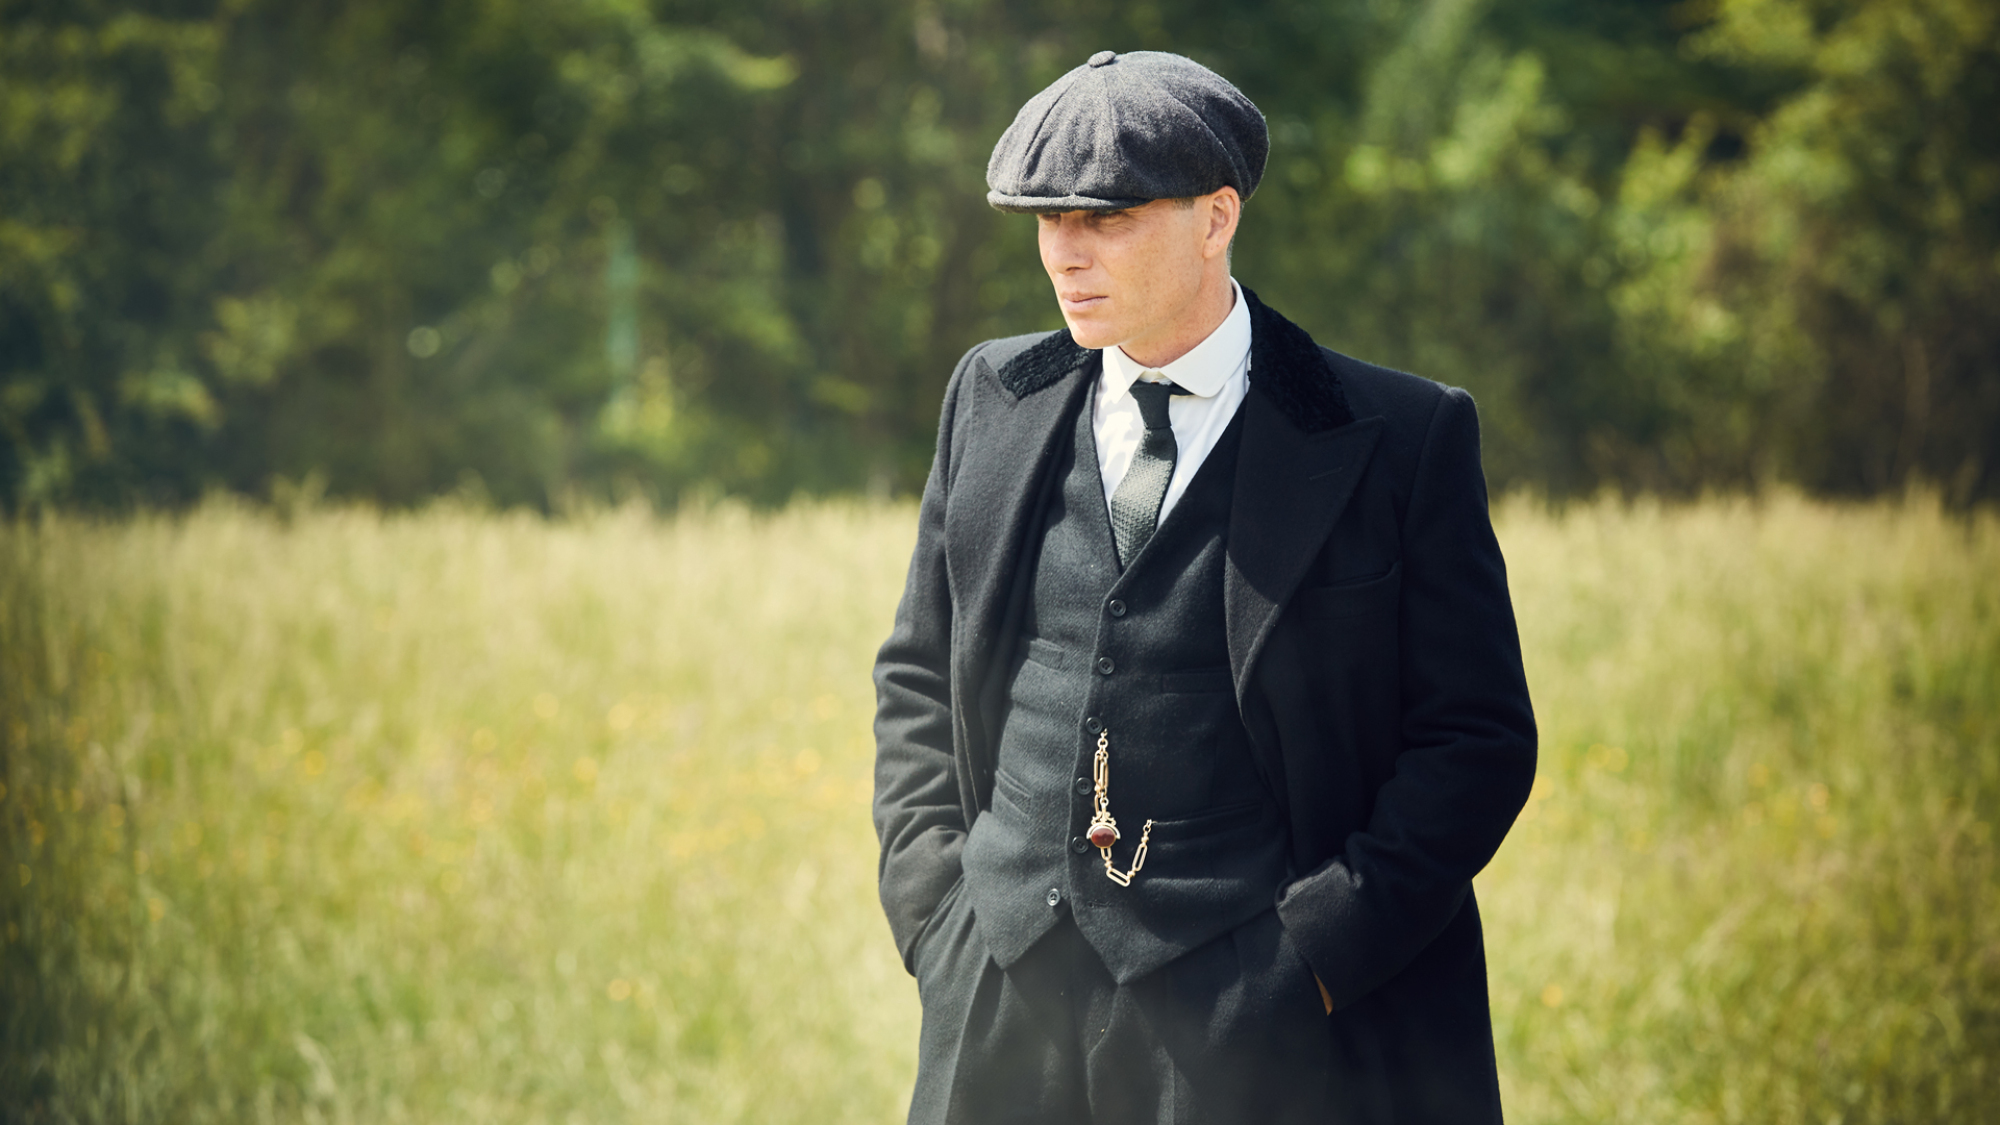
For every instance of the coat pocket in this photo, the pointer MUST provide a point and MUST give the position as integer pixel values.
(922, 950)
(1351, 599)
(1045, 654)
(1008, 786)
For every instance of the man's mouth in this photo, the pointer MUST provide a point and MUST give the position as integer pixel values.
(1081, 301)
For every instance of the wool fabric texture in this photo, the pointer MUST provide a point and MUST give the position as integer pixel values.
(1126, 129)
(1144, 654)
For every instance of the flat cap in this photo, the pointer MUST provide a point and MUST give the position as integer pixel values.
(1122, 130)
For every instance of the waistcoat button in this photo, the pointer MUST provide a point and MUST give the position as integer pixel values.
(1105, 665)
(1083, 787)
(1116, 607)
(1093, 724)
(1079, 845)
(1054, 896)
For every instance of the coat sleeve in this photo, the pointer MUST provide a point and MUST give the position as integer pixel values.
(1467, 758)
(919, 821)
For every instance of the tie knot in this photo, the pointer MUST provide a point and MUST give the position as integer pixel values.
(1152, 400)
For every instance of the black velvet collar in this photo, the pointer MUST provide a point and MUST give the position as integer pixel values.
(1039, 366)
(1284, 363)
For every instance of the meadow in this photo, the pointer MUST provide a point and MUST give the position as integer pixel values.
(329, 815)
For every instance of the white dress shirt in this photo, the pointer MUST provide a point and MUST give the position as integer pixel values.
(1216, 375)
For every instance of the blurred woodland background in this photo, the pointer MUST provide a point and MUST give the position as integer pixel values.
(605, 248)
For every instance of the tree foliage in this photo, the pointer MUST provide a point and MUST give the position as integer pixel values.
(609, 246)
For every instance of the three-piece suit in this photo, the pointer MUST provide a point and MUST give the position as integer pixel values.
(1308, 683)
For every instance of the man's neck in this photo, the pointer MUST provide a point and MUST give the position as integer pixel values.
(1210, 307)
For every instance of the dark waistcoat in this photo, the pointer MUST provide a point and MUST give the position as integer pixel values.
(1144, 654)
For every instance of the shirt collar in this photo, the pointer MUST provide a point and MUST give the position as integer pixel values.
(1206, 368)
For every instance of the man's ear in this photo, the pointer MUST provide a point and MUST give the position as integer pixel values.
(1225, 210)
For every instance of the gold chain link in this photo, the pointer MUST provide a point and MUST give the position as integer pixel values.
(1101, 816)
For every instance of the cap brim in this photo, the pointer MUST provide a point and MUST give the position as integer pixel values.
(1043, 204)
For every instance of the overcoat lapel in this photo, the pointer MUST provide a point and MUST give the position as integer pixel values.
(1010, 456)
(1290, 490)
(1303, 453)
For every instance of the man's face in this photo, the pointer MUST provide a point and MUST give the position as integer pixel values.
(1128, 277)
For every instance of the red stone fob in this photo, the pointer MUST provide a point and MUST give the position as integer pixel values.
(1103, 835)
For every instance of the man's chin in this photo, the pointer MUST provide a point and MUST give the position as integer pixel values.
(1091, 336)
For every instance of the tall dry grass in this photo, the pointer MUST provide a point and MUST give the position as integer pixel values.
(1757, 881)
(454, 816)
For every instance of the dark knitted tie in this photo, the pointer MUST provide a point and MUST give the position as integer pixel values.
(1135, 504)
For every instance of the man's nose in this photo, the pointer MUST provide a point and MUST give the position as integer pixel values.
(1063, 250)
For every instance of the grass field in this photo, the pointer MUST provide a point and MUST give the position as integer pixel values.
(453, 816)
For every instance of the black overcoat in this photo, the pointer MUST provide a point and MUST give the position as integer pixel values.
(1376, 666)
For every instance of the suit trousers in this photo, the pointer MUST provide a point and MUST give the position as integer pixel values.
(1233, 1031)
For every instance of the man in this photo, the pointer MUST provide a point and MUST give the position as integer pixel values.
(1204, 701)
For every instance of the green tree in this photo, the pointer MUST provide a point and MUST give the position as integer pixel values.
(1828, 299)
(616, 246)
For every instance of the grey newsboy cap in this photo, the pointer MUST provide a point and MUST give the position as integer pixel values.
(1122, 130)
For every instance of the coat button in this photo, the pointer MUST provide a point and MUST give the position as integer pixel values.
(1079, 845)
(1105, 665)
(1083, 787)
(1054, 896)
(1093, 724)
(1116, 607)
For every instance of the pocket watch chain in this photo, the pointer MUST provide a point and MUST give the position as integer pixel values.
(1103, 828)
